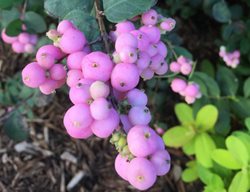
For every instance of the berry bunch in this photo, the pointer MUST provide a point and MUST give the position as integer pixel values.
(23, 43)
(232, 59)
(103, 91)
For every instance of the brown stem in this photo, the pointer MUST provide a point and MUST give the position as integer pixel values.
(99, 17)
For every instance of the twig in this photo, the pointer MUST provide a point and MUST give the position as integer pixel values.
(171, 48)
(24, 9)
(99, 15)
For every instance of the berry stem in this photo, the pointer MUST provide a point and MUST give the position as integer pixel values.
(99, 15)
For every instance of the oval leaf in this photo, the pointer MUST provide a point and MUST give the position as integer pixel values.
(14, 28)
(206, 117)
(178, 136)
(34, 22)
(239, 182)
(246, 87)
(189, 175)
(221, 12)
(184, 113)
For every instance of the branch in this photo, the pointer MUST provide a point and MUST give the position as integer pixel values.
(99, 15)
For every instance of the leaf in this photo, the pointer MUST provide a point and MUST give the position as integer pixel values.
(178, 136)
(206, 118)
(247, 123)
(16, 127)
(221, 12)
(6, 4)
(59, 8)
(204, 145)
(212, 88)
(84, 22)
(183, 51)
(189, 175)
(119, 10)
(188, 148)
(14, 28)
(8, 15)
(241, 107)
(207, 67)
(245, 138)
(225, 159)
(238, 149)
(246, 88)
(184, 113)
(228, 81)
(34, 22)
(239, 182)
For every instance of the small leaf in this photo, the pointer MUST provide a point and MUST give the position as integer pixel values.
(14, 28)
(206, 118)
(9, 15)
(204, 145)
(207, 67)
(183, 51)
(188, 148)
(184, 113)
(225, 159)
(189, 175)
(245, 138)
(239, 182)
(238, 149)
(221, 12)
(34, 22)
(246, 87)
(247, 123)
(178, 136)
(241, 107)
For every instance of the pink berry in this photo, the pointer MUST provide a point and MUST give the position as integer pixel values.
(175, 67)
(33, 39)
(162, 69)
(80, 94)
(46, 61)
(124, 27)
(124, 77)
(190, 99)
(74, 60)
(149, 17)
(24, 38)
(64, 25)
(152, 50)
(49, 50)
(192, 90)
(125, 40)
(162, 49)
(142, 39)
(137, 97)
(8, 39)
(153, 33)
(29, 48)
(72, 41)
(121, 166)
(139, 115)
(48, 86)
(142, 140)
(100, 109)
(147, 74)
(99, 89)
(156, 62)
(18, 47)
(161, 162)
(141, 173)
(168, 24)
(73, 76)
(186, 69)
(33, 75)
(97, 66)
(104, 128)
(178, 85)
(57, 72)
(126, 124)
(128, 55)
(143, 60)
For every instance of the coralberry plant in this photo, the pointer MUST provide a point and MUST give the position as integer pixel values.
(103, 90)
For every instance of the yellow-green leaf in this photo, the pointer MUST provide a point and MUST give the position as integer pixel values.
(206, 117)
(184, 113)
(239, 182)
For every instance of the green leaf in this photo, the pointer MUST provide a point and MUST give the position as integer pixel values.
(212, 88)
(188, 148)
(247, 123)
(246, 87)
(8, 15)
(34, 22)
(225, 159)
(204, 145)
(119, 10)
(228, 81)
(221, 12)
(238, 149)
(184, 113)
(178, 136)
(241, 107)
(14, 28)
(189, 175)
(85, 23)
(245, 138)
(16, 127)
(206, 118)
(239, 182)
(59, 8)
(5, 4)
(183, 51)
(207, 67)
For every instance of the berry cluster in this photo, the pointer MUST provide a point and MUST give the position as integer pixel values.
(232, 59)
(23, 43)
(103, 91)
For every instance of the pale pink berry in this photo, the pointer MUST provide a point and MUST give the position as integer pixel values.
(33, 39)
(104, 128)
(64, 25)
(48, 86)
(152, 50)
(143, 60)
(149, 17)
(156, 62)
(137, 97)
(142, 39)
(100, 108)
(142, 140)
(128, 55)
(141, 173)
(80, 94)
(18, 47)
(74, 60)
(57, 72)
(126, 124)
(24, 38)
(125, 40)
(33, 75)
(121, 80)
(99, 89)
(161, 161)
(139, 115)
(162, 49)
(153, 33)
(116, 57)
(97, 66)
(29, 48)
(190, 99)
(162, 69)
(178, 85)
(147, 74)
(46, 61)
(186, 68)
(72, 41)
(175, 67)
(49, 50)
(168, 24)
(121, 166)
(124, 27)
(73, 76)
(192, 90)
(8, 39)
